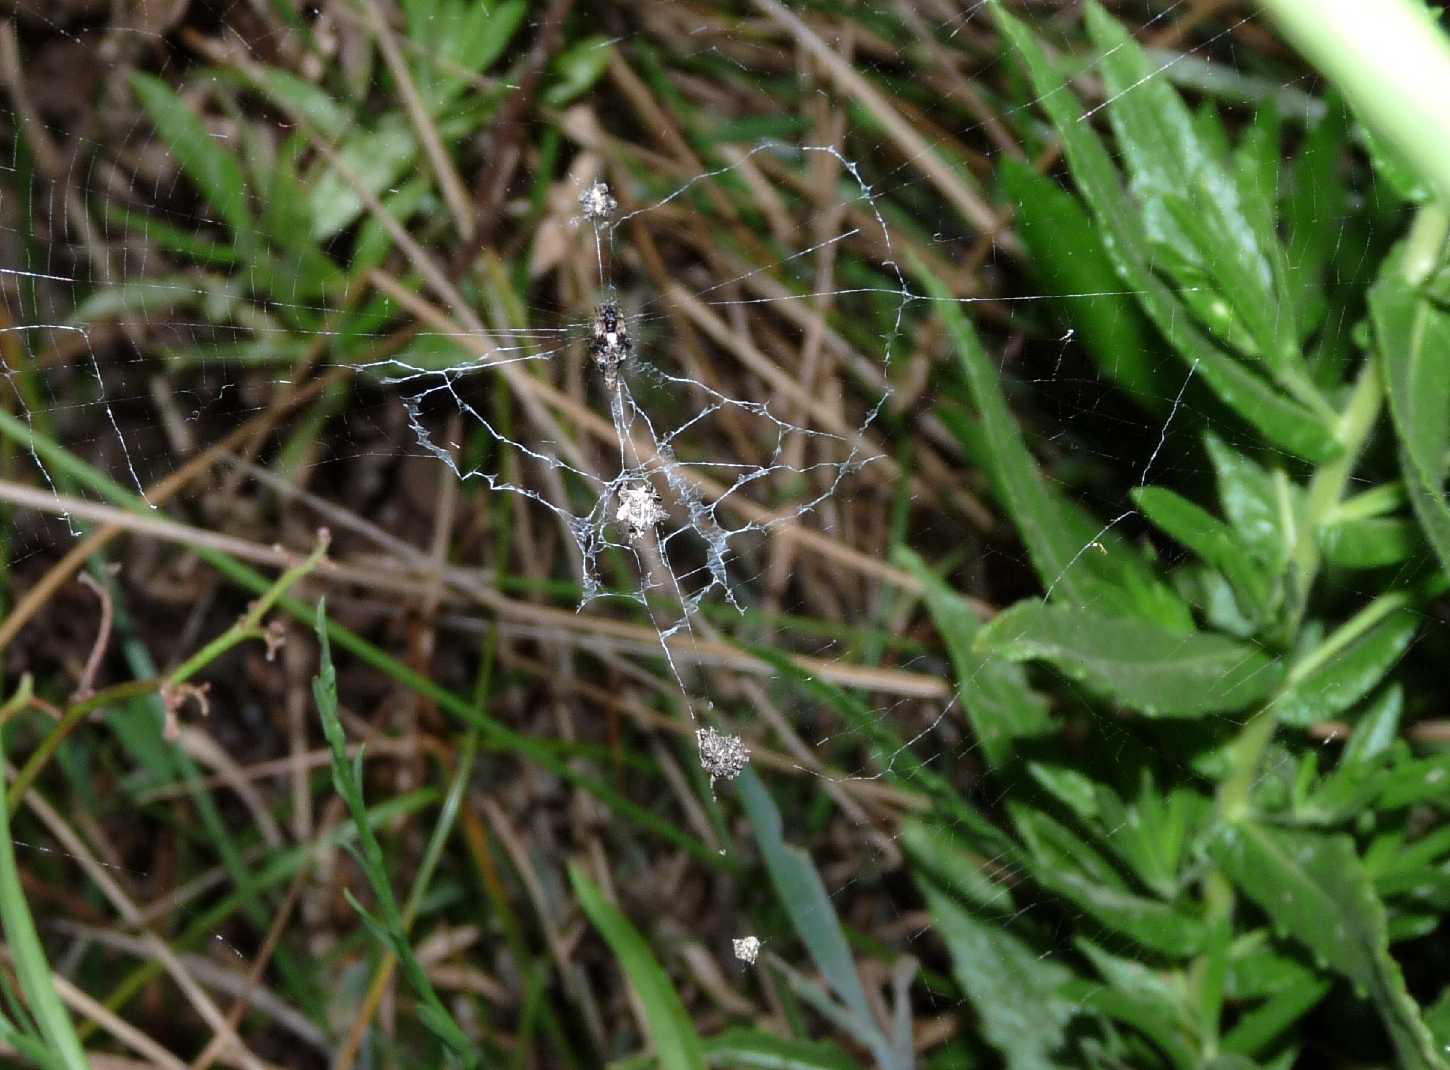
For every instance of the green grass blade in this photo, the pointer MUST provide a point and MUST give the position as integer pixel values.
(390, 928)
(671, 1031)
(30, 962)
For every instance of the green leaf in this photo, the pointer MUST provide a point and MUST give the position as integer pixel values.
(1314, 888)
(1258, 1028)
(213, 169)
(671, 1030)
(1211, 539)
(377, 157)
(1419, 781)
(1013, 987)
(287, 215)
(1263, 506)
(1060, 860)
(994, 692)
(140, 298)
(1377, 729)
(457, 40)
(1190, 202)
(1133, 662)
(1142, 998)
(578, 68)
(936, 849)
(1337, 680)
(1286, 422)
(1317, 191)
(1370, 542)
(1069, 260)
(297, 96)
(1413, 337)
(389, 926)
(800, 890)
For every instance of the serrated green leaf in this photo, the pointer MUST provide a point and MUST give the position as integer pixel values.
(1190, 201)
(1264, 507)
(1285, 422)
(1144, 999)
(1314, 888)
(1061, 861)
(1013, 987)
(994, 693)
(1413, 343)
(1134, 663)
(1163, 992)
(671, 1030)
(213, 169)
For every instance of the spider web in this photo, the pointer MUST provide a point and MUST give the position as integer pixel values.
(733, 459)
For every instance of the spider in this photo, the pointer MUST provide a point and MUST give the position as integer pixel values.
(610, 345)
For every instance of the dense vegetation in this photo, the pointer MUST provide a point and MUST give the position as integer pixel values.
(1099, 720)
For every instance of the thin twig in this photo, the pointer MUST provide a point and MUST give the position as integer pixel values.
(86, 687)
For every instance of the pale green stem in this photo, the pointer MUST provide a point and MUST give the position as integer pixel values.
(1392, 62)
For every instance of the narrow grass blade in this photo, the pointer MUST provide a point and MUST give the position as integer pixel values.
(389, 928)
(30, 962)
(671, 1031)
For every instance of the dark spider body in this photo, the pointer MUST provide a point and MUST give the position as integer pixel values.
(610, 345)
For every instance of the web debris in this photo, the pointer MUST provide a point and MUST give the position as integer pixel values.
(746, 948)
(723, 757)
